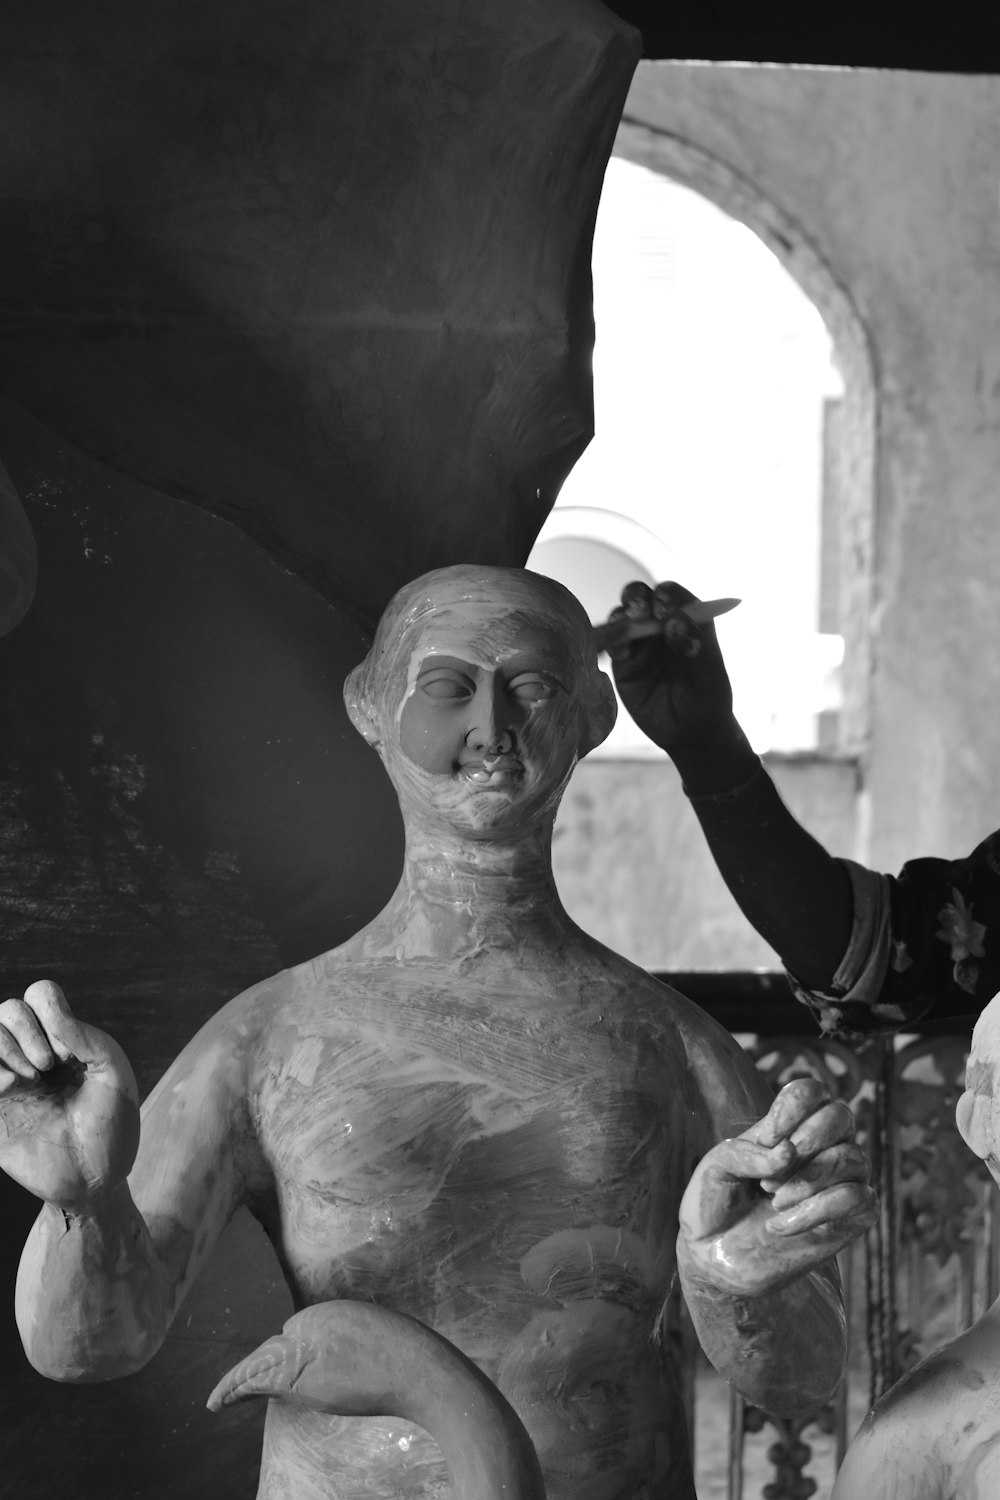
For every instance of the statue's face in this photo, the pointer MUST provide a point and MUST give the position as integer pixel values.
(487, 722)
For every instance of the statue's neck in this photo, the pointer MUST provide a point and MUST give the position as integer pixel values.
(462, 897)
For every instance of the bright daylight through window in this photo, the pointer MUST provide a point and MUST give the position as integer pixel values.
(714, 387)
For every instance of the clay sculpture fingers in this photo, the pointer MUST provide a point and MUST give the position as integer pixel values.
(845, 1162)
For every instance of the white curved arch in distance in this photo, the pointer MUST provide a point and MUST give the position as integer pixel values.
(647, 558)
(685, 162)
(592, 524)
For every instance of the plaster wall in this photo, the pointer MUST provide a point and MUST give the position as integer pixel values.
(633, 868)
(892, 179)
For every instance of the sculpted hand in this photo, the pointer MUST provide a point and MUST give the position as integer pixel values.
(69, 1111)
(766, 1206)
(674, 684)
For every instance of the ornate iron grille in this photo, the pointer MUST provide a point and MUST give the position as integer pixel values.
(925, 1272)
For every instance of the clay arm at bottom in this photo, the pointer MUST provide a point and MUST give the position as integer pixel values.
(106, 1265)
(92, 1298)
(785, 1351)
(358, 1359)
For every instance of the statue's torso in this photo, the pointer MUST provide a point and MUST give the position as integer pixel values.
(500, 1153)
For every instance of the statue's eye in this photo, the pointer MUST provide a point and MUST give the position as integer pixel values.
(529, 687)
(443, 684)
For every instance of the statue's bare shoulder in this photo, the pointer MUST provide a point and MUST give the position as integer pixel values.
(695, 1049)
(936, 1433)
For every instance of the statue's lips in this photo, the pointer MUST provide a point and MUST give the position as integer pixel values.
(502, 771)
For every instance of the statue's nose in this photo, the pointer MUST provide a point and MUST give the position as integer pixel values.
(490, 741)
(492, 732)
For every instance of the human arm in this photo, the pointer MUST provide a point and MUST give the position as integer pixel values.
(763, 1216)
(127, 1223)
(866, 952)
(676, 688)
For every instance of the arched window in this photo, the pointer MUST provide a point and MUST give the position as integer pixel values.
(721, 442)
(596, 552)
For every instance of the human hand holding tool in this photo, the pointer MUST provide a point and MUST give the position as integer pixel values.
(669, 669)
(622, 627)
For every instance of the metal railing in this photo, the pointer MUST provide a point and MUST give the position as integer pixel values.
(925, 1272)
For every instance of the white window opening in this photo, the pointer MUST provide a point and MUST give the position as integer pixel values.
(716, 402)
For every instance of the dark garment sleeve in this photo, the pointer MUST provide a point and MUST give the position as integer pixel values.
(924, 943)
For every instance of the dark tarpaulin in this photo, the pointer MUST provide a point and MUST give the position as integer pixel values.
(295, 304)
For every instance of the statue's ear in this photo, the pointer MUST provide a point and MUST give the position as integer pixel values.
(360, 710)
(602, 716)
(974, 1118)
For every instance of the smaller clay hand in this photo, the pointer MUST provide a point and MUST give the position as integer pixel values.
(764, 1207)
(674, 683)
(69, 1111)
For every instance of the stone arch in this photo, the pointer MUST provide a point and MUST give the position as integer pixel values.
(645, 553)
(694, 167)
(595, 552)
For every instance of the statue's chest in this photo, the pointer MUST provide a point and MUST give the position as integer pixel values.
(421, 1106)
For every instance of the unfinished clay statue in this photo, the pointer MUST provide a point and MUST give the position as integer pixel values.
(936, 1434)
(471, 1113)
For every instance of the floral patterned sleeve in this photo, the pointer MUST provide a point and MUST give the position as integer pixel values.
(926, 942)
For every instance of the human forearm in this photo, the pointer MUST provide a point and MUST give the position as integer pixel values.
(675, 686)
(92, 1299)
(785, 1351)
(789, 888)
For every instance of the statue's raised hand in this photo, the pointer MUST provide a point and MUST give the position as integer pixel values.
(764, 1207)
(69, 1111)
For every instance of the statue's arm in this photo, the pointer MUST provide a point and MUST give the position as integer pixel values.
(765, 1212)
(111, 1256)
(785, 1351)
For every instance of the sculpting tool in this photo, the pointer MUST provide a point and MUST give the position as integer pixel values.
(698, 611)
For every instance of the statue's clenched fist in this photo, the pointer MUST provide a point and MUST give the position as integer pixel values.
(69, 1109)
